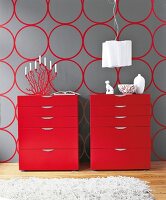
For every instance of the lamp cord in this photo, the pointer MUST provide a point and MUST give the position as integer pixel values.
(115, 20)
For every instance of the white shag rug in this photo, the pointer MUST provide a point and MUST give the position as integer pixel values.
(110, 188)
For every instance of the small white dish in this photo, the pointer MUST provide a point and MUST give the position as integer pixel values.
(127, 88)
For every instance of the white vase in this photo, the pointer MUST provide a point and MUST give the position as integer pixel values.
(139, 83)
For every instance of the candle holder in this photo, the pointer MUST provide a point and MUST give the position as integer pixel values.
(41, 80)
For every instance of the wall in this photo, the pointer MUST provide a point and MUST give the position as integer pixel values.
(71, 32)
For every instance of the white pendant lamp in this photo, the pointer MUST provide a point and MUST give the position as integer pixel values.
(116, 53)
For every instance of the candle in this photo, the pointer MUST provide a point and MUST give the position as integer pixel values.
(39, 60)
(25, 71)
(35, 64)
(30, 66)
(50, 65)
(45, 62)
(55, 68)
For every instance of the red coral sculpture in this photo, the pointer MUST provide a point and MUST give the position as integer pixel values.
(41, 80)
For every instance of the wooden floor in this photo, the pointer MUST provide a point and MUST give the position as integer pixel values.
(156, 176)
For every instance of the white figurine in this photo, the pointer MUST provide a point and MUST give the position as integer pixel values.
(109, 88)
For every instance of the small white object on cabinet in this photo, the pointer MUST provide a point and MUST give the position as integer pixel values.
(139, 83)
(109, 88)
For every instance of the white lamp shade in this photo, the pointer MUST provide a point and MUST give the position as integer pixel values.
(117, 53)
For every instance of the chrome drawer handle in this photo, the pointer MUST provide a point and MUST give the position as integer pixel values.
(120, 117)
(47, 117)
(47, 107)
(47, 129)
(121, 95)
(46, 96)
(120, 149)
(124, 106)
(48, 150)
(120, 128)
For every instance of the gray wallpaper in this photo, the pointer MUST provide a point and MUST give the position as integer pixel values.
(70, 32)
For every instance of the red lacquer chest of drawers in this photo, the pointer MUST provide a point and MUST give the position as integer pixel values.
(48, 132)
(120, 132)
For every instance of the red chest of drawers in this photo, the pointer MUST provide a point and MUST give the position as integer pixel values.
(120, 132)
(48, 132)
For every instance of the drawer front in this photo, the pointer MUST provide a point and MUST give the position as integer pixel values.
(135, 99)
(48, 121)
(58, 100)
(119, 159)
(47, 111)
(120, 137)
(120, 121)
(59, 138)
(121, 110)
(48, 159)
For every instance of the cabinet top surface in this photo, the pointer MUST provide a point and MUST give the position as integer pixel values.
(120, 95)
(52, 96)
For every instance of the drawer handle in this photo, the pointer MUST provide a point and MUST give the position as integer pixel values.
(124, 106)
(47, 107)
(121, 95)
(120, 117)
(45, 96)
(120, 149)
(47, 129)
(120, 128)
(48, 150)
(47, 117)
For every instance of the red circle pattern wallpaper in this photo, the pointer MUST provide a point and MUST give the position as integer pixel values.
(70, 33)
